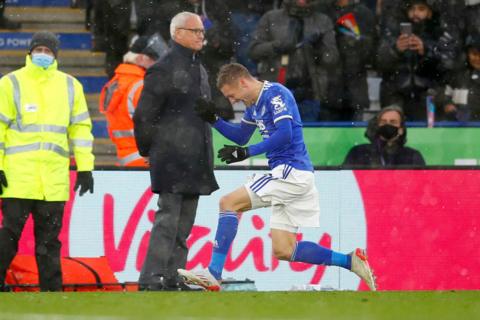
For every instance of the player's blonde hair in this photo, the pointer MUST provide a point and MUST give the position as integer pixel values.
(230, 73)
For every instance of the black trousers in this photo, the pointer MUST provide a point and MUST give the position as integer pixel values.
(167, 250)
(47, 221)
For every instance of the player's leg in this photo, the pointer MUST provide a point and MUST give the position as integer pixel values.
(231, 205)
(286, 247)
(296, 204)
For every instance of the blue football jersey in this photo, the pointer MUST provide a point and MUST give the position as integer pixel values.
(275, 103)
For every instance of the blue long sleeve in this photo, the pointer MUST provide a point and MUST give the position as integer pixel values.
(282, 136)
(238, 133)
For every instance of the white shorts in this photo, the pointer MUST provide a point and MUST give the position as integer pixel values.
(291, 193)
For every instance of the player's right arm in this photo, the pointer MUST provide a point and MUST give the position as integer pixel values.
(240, 133)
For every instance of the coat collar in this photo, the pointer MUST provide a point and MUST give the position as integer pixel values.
(39, 71)
(184, 52)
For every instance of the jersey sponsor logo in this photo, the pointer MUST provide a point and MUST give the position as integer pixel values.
(278, 104)
(260, 125)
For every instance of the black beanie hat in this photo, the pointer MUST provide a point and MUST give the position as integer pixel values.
(47, 39)
(142, 45)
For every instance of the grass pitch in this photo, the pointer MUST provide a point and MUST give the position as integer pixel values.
(330, 305)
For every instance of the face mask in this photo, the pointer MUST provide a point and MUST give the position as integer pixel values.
(42, 60)
(387, 131)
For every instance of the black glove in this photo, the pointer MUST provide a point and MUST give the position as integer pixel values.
(84, 182)
(206, 110)
(231, 154)
(3, 181)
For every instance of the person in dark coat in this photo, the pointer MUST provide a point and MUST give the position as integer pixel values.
(460, 101)
(296, 46)
(388, 135)
(178, 145)
(245, 16)
(355, 33)
(415, 58)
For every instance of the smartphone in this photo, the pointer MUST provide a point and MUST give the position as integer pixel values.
(406, 28)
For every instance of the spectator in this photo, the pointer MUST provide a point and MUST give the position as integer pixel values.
(119, 98)
(178, 145)
(295, 45)
(245, 16)
(111, 30)
(6, 23)
(388, 135)
(41, 111)
(355, 33)
(461, 98)
(414, 59)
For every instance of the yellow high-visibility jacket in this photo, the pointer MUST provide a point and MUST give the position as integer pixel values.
(40, 112)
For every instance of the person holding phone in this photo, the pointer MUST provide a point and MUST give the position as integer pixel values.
(414, 56)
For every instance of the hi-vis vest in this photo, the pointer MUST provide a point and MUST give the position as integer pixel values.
(118, 100)
(40, 112)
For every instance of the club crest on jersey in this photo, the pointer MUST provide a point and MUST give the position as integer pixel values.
(278, 104)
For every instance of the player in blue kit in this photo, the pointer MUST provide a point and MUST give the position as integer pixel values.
(289, 188)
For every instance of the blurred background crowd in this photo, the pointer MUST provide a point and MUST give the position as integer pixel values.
(323, 50)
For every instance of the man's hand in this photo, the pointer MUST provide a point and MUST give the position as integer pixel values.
(416, 44)
(84, 182)
(231, 154)
(206, 110)
(403, 42)
(3, 181)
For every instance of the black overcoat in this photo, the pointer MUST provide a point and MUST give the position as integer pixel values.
(168, 131)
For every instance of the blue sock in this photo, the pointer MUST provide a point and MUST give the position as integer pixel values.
(226, 232)
(310, 252)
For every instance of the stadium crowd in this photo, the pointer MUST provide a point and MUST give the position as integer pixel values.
(323, 51)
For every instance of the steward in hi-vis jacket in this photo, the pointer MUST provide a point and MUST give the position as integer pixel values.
(42, 110)
(119, 99)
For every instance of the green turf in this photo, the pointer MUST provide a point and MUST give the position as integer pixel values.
(436, 305)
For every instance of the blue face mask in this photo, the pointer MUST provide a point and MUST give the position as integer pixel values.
(42, 60)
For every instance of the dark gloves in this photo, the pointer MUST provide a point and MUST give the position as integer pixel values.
(231, 154)
(84, 182)
(206, 110)
(3, 181)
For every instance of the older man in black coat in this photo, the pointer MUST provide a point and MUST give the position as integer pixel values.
(178, 145)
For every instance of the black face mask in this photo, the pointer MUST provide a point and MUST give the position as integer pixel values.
(387, 131)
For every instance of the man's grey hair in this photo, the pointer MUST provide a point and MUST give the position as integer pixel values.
(179, 21)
